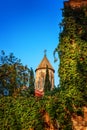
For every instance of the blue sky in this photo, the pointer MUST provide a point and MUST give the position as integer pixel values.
(28, 27)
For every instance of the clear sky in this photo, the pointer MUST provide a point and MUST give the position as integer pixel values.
(28, 27)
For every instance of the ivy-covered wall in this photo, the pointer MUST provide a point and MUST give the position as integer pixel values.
(72, 50)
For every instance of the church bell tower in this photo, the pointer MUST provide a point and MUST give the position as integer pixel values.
(41, 74)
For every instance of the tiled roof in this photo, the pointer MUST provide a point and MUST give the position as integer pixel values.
(45, 62)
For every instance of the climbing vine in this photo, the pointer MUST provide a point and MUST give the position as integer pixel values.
(72, 51)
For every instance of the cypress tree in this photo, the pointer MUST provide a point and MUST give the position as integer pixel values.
(31, 81)
(31, 78)
(47, 85)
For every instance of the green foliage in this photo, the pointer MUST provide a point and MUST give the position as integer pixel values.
(72, 50)
(31, 78)
(62, 104)
(47, 85)
(25, 113)
(31, 81)
(28, 92)
(20, 113)
(13, 74)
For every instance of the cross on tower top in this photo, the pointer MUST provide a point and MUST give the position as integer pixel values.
(45, 52)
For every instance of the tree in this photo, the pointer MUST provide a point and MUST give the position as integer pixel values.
(31, 78)
(31, 81)
(29, 91)
(47, 85)
(13, 75)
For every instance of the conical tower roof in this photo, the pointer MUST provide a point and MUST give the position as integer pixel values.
(45, 62)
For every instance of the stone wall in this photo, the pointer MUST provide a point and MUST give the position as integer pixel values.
(80, 123)
(75, 3)
(40, 79)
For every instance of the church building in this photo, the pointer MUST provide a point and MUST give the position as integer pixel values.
(41, 74)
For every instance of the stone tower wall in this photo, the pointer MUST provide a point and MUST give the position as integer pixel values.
(40, 79)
